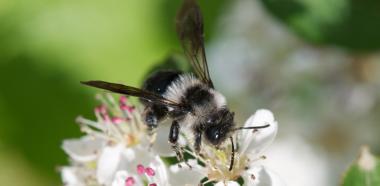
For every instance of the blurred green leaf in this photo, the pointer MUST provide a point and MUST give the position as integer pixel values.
(364, 172)
(39, 105)
(350, 24)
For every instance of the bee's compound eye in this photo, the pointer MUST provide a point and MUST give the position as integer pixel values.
(214, 134)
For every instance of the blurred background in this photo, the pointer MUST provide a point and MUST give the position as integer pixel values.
(315, 64)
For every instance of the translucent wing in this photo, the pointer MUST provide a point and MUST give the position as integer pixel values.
(132, 91)
(190, 32)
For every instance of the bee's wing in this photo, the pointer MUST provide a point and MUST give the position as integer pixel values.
(190, 31)
(132, 91)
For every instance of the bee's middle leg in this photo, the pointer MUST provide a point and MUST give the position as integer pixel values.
(173, 140)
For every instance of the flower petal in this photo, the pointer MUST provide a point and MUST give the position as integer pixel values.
(255, 141)
(161, 145)
(284, 157)
(161, 174)
(108, 163)
(84, 149)
(227, 183)
(185, 175)
(261, 176)
(132, 157)
(122, 176)
(70, 177)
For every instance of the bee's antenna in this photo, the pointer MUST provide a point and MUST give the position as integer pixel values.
(233, 154)
(255, 127)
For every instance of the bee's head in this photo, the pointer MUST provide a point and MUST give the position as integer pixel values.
(218, 126)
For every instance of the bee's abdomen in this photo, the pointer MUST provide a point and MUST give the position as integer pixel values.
(159, 81)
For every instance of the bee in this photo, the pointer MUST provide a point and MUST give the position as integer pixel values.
(185, 98)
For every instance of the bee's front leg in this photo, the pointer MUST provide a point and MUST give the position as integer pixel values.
(197, 143)
(152, 115)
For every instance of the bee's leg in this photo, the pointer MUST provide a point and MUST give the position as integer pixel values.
(150, 118)
(197, 141)
(152, 115)
(173, 140)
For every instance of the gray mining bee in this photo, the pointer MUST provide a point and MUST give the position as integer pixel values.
(184, 98)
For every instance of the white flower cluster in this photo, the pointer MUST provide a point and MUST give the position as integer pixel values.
(116, 151)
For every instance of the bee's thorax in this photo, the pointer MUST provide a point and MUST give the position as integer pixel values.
(201, 99)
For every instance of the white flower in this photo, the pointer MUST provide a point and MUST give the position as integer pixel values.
(70, 177)
(117, 151)
(215, 163)
(155, 174)
(183, 175)
(255, 141)
(85, 149)
(139, 164)
(114, 150)
(262, 176)
(108, 163)
(78, 175)
(291, 156)
(227, 183)
(123, 178)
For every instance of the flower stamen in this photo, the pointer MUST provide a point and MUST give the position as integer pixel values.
(140, 169)
(130, 181)
(149, 171)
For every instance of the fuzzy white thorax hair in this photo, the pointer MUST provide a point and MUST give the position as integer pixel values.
(220, 100)
(178, 88)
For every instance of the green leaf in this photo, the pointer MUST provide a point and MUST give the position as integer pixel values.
(349, 24)
(365, 171)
